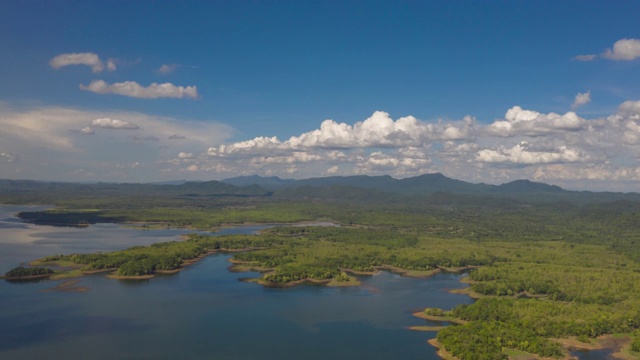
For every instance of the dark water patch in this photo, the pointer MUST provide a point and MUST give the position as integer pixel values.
(593, 354)
(60, 328)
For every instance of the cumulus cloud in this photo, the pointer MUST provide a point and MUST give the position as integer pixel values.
(518, 121)
(133, 89)
(581, 99)
(589, 57)
(89, 59)
(107, 123)
(523, 144)
(625, 49)
(379, 130)
(630, 108)
(556, 148)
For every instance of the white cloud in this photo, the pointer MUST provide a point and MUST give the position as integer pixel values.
(379, 130)
(630, 108)
(133, 89)
(625, 49)
(185, 155)
(107, 123)
(111, 64)
(589, 57)
(89, 59)
(523, 144)
(84, 131)
(532, 123)
(581, 99)
(522, 154)
(4, 156)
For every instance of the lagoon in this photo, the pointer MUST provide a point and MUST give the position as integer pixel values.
(204, 312)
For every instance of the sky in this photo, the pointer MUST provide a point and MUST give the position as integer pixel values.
(481, 91)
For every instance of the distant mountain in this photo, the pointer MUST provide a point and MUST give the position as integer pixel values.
(270, 182)
(215, 188)
(423, 184)
(526, 186)
(420, 185)
(432, 183)
(208, 188)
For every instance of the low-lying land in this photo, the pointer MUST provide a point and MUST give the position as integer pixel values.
(544, 265)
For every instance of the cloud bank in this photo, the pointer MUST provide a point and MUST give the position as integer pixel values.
(564, 149)
(549, 147)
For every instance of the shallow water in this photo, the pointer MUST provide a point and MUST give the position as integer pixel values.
(204, 312)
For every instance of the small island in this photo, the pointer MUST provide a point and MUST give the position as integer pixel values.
(22, 273)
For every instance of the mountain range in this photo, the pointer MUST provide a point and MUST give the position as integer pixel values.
(359, 187)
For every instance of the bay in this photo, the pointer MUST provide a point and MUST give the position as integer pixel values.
(204, 312)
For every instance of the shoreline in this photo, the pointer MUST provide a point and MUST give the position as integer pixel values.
(619, 344)
(27, 278)
(442, 353)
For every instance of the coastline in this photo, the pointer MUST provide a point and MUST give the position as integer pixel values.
(619, 344)
(442, 353)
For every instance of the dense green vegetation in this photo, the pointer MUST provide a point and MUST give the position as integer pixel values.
(22, 271)
(550, 263)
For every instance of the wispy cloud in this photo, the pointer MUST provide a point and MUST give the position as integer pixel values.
(53, 143)
(167, 69)
(133, 89)
(589, 57)
(89, 59)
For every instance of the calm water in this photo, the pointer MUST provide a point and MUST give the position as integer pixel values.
(204, 312)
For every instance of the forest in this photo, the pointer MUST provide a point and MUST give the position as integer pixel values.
(544, 263)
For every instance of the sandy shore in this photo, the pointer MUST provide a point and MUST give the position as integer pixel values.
(441, 351)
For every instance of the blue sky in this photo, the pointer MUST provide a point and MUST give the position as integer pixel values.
(483, 91)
